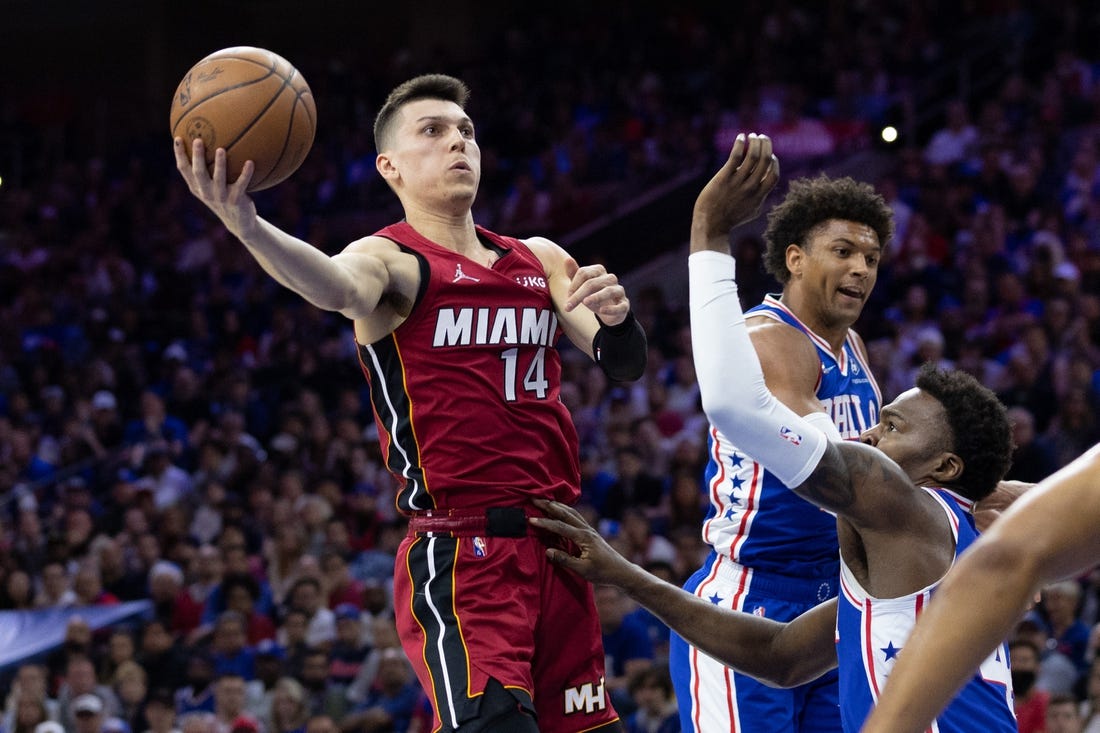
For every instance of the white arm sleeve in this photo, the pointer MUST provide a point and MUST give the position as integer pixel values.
(824, 423)
(731, 382)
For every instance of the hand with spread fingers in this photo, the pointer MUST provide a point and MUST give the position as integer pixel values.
(594, 560)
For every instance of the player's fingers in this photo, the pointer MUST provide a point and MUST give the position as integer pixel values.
(240, 186)
(737, 153)
(557, 526)
(595, 291)
(198, 159)
(220, 166)
(750, 168)
(586, 281)
(560, 557)
(770, 176)
(182, 162)
(560, 512)
(766, 156)
(605, 297)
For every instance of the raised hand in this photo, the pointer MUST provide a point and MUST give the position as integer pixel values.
(736, 192)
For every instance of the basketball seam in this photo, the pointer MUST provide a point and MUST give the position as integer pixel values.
(286, 83)
(272, 70)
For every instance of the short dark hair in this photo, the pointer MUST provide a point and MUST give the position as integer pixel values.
(981, 433)
(813, 201)
(426, 86)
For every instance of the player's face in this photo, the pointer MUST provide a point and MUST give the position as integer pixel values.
(836, 271)
(435, 154)
(910, 431)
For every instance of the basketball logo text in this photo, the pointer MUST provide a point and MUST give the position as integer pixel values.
(588, 698)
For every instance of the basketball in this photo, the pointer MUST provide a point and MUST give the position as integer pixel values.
(253, 103)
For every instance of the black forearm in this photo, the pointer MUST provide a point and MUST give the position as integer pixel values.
(770, 651)
(621, 350)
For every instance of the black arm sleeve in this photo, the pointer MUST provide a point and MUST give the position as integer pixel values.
(621, 350)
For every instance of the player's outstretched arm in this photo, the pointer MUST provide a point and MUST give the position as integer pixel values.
(1046, 535)
(778, 654)
(351, 283)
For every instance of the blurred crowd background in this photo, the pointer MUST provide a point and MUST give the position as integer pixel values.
(176, 428)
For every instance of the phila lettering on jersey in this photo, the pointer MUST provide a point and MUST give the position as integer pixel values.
(871, 632)
(753, 518)
(470, 381)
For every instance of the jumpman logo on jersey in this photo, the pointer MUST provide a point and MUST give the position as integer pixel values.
(460, 275)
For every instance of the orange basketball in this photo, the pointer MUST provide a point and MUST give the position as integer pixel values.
(254, 104)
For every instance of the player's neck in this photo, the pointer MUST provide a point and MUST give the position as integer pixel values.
(816, 318)
(453, 230)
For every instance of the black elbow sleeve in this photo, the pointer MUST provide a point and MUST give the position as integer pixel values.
(621, 350)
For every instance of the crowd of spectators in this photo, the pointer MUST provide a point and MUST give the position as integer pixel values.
(175, 427)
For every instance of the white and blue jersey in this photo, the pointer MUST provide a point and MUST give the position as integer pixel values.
(775, 555)
(871, 632)
(754, 519)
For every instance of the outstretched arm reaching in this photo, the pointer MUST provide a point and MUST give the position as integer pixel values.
(778, 654)
(1048, 534)
(352, 282)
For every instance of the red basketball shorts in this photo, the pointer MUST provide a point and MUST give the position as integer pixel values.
(471, 608)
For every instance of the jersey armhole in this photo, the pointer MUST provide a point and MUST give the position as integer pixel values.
(425, 273)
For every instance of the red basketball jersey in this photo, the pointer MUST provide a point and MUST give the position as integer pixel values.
(466, 391)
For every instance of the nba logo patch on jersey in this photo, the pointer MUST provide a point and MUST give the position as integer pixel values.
(790, 436)
(479, 547)
(760, 611)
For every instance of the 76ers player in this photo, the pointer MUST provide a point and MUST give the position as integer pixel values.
(456, 328)
(902, 498)
(774, 554)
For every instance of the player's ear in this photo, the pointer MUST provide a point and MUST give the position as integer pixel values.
(795, 255)
(949, 468)
(386, 168)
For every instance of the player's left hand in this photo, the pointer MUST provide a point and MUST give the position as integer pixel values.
(595, 560)
(596, 289)
(737, 191)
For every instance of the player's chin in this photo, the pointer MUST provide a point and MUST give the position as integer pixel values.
(849, 305)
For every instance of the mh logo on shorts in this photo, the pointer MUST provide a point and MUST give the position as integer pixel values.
(588, 698)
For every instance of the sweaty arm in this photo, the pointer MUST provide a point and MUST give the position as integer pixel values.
(778, 654)
(1047, 535)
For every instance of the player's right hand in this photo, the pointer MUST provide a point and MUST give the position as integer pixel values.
(737, 191)
(230, 202)
(594, 560)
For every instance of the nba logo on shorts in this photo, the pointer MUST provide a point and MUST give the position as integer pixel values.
(760, 611)
(479, 547)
